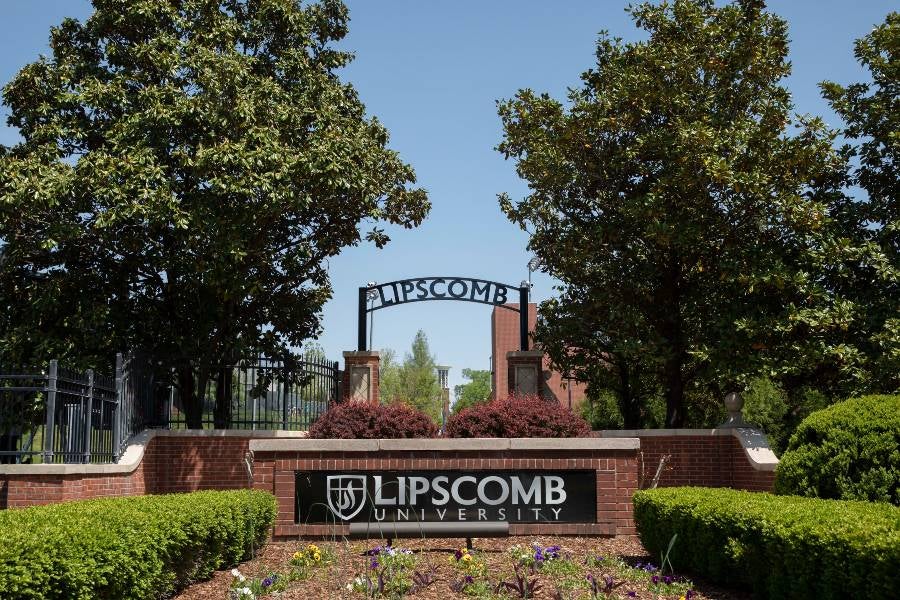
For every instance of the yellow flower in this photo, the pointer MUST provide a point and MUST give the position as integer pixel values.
(297, 555)
(317, 556)
(467, 557)
(682, 598)
(312, 548)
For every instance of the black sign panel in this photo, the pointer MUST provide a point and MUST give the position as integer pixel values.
(446, 496)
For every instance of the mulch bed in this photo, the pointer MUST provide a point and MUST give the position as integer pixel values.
(331, 581)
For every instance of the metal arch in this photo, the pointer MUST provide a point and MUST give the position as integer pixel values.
(417, 289)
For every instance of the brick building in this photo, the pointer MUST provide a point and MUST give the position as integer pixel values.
(505, 337)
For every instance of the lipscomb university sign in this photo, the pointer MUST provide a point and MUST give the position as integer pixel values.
(567, 496)
(463, 289)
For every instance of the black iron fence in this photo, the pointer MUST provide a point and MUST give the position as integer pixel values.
(268, 394)
(59, 415)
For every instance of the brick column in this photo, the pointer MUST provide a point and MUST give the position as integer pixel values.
(525, 372)
(361, 377)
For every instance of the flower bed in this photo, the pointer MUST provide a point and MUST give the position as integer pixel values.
(557, 569)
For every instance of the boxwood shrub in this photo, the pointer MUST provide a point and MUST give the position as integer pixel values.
(780, 546)
(137, 547)
(848, 451)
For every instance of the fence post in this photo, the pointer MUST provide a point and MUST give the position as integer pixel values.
(50, 407)
(88, 407)
(171, 399)
(284, 396)
(120, 401)
(336, 385)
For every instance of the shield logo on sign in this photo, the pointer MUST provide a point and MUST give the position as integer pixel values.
(346, 495)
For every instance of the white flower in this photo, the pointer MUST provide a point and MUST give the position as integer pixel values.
(237, 575)
(349, 587)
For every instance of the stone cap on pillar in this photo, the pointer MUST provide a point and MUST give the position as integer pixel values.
(525, 354)
(362, 354)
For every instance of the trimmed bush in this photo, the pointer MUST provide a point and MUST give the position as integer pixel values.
(517, 416)
(138, 547)
(781, 546)
(361, 420)
(848, 451)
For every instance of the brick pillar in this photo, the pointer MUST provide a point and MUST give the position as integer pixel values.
(525, 372)
(361, 377)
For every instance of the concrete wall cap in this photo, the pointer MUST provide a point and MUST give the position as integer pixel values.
(589, 443)
(362, 354)
(753, 441)
(313, 445)
(134, 452)
(617, 433)
(459, 444)
(525, 354)
(756, 448)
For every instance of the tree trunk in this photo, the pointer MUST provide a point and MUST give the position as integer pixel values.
(674, 392)
(190, 402)
(629, 402)
(222, 413)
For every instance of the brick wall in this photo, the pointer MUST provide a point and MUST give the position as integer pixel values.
(616, 469)
(707, 458)
(171, 462)
(182, 461)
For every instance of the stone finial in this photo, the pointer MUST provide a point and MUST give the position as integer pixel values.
(734, 404)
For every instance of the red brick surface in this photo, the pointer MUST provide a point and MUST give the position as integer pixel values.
(708, 461)
(616, 481)
(186, 463)
(373, 363)
(505, 337)
(170, 464)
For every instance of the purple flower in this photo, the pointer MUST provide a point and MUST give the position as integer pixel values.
(667, 579)
(589, 577)
(469, 579)
(374, 563)
(690, 594)
(655, 579)
(458, 555)
(268, 581)
(632, 594)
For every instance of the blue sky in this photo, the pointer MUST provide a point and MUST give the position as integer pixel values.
(431, 72)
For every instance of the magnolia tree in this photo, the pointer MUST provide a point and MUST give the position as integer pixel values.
(690, 218)
(186, 169)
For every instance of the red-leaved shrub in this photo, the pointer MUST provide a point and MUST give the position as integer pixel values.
(517, 416)
(361, 420)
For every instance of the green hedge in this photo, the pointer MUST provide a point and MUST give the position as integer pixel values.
(139, 547)
(780, 546)
(848, 451)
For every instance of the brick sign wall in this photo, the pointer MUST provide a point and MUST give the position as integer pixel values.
(183, 461)
(613, 462)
